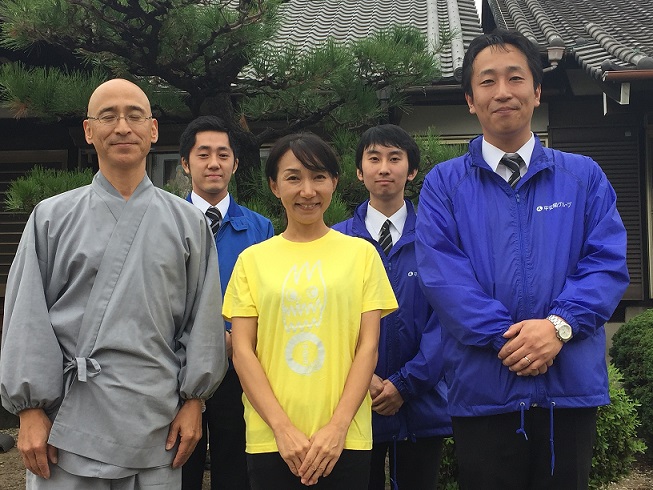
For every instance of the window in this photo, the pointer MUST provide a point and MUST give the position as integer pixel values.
(164, 167)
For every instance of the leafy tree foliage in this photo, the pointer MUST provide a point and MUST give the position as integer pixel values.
(218, 57)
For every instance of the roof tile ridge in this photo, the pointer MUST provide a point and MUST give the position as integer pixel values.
(521, 22)
(542, 19)
(433, 29)
(617, 49)
(457, 45)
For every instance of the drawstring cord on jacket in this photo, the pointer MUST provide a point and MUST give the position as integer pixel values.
(553, 454)
(522, 429)
(393, 481)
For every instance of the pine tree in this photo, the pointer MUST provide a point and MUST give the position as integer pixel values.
(217, 57)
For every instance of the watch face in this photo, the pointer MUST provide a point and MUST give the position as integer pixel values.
(564, 331)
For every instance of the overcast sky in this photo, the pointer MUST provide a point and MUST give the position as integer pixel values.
(478, 7)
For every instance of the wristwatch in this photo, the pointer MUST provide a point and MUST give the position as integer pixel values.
(563, 329)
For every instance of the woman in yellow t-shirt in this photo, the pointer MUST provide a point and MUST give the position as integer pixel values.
(305, 308)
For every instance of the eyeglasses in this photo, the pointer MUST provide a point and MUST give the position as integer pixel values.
(112, 119)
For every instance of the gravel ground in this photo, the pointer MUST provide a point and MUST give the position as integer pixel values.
(12, 472)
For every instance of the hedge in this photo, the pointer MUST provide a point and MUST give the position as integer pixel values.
(632, 353)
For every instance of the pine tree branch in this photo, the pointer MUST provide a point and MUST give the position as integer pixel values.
(140, 45)
(120, 26)
(244, 19)
(299, 124)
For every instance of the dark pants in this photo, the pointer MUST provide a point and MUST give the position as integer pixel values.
(413, 465)
(268, 471)
(223, 421)
(492, 456)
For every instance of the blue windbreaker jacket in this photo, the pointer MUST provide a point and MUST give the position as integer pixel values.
(410, 349)
(240, 228)
(489, 256)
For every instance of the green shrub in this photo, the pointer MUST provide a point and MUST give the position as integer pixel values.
(614, 451)
(449, 466)
(616, 435)
(26, 192)
(632, 353)
(433, 151)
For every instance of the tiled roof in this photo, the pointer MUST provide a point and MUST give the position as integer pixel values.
(307, 23)
(601, 35)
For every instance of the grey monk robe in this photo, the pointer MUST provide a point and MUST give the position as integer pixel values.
(112, 319)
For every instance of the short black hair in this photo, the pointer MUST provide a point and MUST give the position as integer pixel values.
(312, 151)
(204, 123)
(501, 38)
(389, 135)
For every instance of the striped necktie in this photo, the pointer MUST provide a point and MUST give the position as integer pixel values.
(216, 219)
(385, 239)
(513, 161)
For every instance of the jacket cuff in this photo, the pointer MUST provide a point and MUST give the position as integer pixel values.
(401, 386)
(566, 316)
(499, 341)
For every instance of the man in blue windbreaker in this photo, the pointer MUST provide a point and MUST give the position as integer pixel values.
(209, 155)
(522, 253)
(409, 401)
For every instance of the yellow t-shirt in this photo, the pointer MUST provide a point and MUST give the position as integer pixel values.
(308, 298)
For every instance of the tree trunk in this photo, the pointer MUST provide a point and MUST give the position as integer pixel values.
(249, 165)
(249, 159)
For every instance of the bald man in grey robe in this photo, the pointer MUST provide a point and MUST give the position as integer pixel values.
(112, 335)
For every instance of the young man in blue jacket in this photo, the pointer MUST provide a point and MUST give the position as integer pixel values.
(409, 397)
(209, 155)
(522, 253)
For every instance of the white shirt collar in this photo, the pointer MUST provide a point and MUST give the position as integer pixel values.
(203, 205)
(493, 155)
(374, 220)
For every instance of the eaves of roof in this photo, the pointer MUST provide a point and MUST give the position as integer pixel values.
(308, 23)
(610, 39)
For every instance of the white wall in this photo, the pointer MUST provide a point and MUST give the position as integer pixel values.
(456, 121)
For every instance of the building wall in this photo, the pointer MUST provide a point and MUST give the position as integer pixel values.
(616, 142)
(455, 121)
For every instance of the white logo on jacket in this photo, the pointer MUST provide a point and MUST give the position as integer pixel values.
(555, 205)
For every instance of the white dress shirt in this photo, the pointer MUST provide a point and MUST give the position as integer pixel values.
(202, 205)
(374, 220)
(493, 155)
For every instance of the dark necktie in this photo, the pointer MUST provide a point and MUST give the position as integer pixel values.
(513, 161)
(216, 219)
(385, 239)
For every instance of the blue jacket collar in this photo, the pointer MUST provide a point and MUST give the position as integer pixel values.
(539, 159)
(234, 215)
(360, 230)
